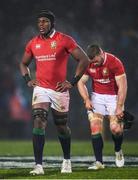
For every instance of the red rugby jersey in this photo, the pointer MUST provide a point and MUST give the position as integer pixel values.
(103, 77)
(51, 57)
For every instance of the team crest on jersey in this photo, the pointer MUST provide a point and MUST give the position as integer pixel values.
(53, 45)
(92, 70)
(37, 46)
(105, 71)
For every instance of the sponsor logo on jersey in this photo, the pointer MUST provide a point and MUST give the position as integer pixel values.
(53, 45)
(48, 57)
(103, 81)
(37, 46)
(105, 71)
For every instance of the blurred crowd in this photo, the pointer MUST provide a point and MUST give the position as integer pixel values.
(110, 23)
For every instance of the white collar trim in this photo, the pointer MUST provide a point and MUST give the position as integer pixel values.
(53, 33)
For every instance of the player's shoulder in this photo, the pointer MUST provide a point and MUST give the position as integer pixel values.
(112, 58)
(109, 55)
(113, 61)
(36, 38)
(64, 35)
(33, 39)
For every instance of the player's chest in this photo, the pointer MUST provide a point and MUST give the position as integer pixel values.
(47, 47)
(100, 72)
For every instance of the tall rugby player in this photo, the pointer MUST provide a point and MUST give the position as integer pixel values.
(51, 50)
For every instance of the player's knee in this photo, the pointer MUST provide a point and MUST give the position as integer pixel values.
(95, 123)
(116, 128)
(40, 117)
(60, 120)
(61, 124)
(95, 127)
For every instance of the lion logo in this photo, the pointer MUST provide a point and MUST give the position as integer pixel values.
(53, 45)
(105, 71)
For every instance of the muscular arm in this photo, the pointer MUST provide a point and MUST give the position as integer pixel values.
(83, 61)
(121, 82)
(82, 87)
(84, 92)
(26, 59)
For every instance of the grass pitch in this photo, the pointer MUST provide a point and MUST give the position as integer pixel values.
(53, 148)
(24, 148)
(78, 173)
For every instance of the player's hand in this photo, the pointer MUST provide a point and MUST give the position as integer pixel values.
(63, 86)
(32, 83)
(119, 112)
(88, 104)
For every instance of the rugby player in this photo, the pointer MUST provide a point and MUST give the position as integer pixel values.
(50, 50)
(109, 89)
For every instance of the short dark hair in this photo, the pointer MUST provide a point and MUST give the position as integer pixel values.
(48, 14)
(93, 50)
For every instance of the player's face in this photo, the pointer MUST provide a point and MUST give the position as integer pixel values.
(98, 60)
(44, 25)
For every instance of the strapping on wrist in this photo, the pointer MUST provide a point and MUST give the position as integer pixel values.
(75, 80)
(120, 104)
(27, 78)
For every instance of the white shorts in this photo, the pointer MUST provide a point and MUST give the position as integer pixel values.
(104, 104)
(59, 101)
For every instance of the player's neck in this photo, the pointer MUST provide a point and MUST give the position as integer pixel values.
(47, 35)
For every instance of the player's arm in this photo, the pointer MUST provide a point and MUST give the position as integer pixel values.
(24, 69)
(84, 92)
(26, 59)
(83, 62)
(121, 82)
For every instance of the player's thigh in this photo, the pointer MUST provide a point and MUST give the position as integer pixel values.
(40, 107)
(98, 103)
(110, 104)
(40, 97)
(60, 101)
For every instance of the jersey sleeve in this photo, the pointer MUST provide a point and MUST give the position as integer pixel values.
(70, 44)
(118, 67)
(28, 48)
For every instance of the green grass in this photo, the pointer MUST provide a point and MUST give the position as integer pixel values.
(78, 173)
(52, 148)
(79, 148)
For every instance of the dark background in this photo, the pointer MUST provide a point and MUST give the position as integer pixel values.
(112, 24)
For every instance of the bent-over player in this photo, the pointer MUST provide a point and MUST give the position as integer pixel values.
(109, 89)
